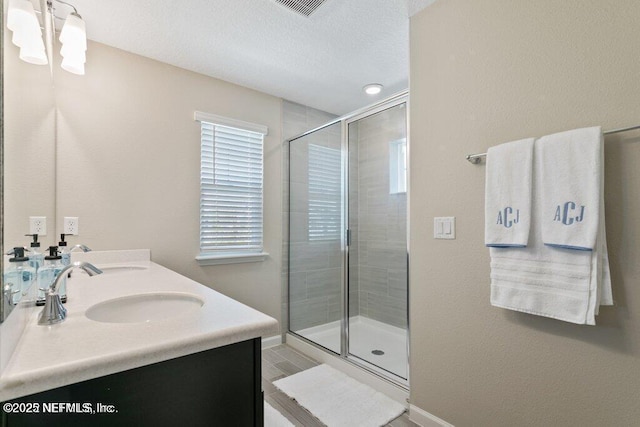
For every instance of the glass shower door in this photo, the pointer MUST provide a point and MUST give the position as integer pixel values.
(316, 235)
(377, 221)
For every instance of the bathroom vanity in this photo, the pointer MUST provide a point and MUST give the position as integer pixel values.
(141, 345)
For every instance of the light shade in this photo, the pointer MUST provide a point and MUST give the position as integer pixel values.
(24, 36)
(73, 67)
(74, 32)
(72, 53)
(22, 16)
(34, 55)
(372, 89)
(74, 44)
(27, 35)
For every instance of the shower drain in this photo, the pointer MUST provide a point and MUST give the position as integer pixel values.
(377, 352)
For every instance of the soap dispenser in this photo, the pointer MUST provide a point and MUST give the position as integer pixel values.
(36, 258)
(47, 275)
(65, 253)
(19, 276)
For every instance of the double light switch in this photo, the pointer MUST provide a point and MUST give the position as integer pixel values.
(444, 227)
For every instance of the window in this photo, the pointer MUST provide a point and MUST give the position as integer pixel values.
(398, 166)
(324, 193)
(231, 176)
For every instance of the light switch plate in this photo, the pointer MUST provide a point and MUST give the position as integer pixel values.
(444, 227)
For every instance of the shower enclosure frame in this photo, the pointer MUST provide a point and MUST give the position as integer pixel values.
(393, 101)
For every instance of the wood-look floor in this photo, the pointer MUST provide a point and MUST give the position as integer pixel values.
(282, 361)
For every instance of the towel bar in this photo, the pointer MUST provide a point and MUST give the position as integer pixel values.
(476, 158)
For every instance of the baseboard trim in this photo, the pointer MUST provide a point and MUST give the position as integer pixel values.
(425, 419)
(273, 341)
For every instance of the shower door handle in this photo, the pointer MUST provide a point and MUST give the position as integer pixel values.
(348, 235)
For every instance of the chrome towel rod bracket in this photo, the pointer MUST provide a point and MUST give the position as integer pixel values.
(476, 158)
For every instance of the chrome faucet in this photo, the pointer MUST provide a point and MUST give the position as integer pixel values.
(53, 311)
(83, 248)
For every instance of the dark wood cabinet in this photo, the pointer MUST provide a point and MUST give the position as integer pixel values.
(218, 387)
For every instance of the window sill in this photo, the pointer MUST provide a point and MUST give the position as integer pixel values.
(230, 258)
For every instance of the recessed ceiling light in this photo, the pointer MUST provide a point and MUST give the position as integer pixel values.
(372, 89)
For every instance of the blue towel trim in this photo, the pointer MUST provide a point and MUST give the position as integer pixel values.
(504, 245)
(575, 248)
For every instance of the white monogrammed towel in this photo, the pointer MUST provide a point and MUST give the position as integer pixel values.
(571, 175)
(555, 280)
(508, 194)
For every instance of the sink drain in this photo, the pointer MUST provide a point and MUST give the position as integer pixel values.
(378, 352)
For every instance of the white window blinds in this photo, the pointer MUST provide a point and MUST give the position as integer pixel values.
(325, 197)
(230, 189)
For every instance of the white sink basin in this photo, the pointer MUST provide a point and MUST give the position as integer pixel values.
(141, 308)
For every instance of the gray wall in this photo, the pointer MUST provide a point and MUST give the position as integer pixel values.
(487, 72)
(128, 151)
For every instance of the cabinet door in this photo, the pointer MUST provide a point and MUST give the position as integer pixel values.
(218, 387)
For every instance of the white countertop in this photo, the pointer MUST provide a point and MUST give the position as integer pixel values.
(79, 349)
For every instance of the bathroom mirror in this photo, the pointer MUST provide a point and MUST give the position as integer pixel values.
(28, 149)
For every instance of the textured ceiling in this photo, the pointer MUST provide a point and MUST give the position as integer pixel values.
(322, 61)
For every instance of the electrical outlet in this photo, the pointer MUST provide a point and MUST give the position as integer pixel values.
(71, 225)
(38, 225)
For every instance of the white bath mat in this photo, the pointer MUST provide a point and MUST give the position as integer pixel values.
(273, 418)
(338, 400)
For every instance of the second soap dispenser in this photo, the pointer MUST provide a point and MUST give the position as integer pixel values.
(36, 258)
(65, 253)
(47, 275)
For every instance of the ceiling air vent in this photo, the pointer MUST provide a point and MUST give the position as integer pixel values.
(303, 7)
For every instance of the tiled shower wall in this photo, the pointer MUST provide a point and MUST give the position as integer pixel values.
(377, 218)
(311, 305)
(315, 259)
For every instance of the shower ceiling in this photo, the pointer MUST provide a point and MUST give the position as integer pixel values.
(322, 60)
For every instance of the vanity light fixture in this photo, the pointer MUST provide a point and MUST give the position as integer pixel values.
(373, 88)
(27, 35)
